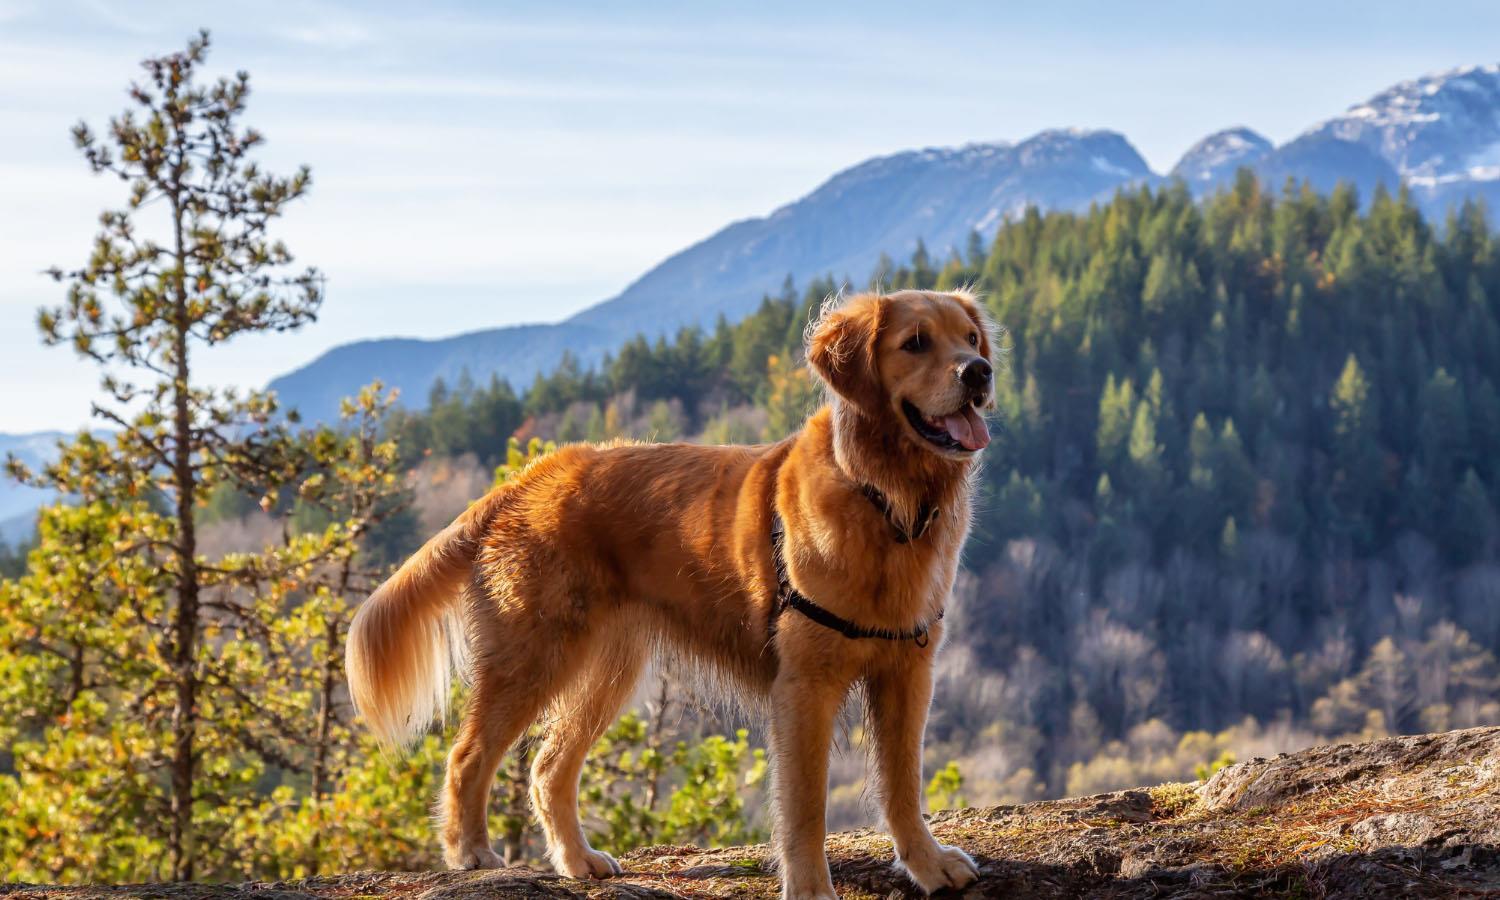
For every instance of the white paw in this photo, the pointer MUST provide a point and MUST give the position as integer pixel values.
(822, 892)
(939, 866)
(589, 864)
(474, 858)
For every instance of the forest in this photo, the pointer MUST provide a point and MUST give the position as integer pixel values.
(1241, 500)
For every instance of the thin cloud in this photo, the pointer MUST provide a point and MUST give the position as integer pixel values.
(335, 35)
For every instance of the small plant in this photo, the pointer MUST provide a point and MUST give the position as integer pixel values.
(1203, 771)
(943, 789)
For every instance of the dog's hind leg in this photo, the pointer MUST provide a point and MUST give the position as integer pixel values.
(583, 710)
(512, 686)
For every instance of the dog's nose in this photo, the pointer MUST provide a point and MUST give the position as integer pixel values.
(977, 374)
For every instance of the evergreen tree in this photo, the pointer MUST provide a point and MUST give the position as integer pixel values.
(1443, 429)
(1356, 455)
(1116, 413)
(142, 307)
(1469, 525)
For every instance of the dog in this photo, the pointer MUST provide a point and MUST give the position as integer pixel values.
(792, 572)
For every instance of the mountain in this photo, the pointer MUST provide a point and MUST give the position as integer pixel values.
(1217, 157)
(1440, 134)
(884, 205)
(516, 353)
(18, 502)
(1434, 129)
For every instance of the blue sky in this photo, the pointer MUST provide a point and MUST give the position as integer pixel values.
(485, 164)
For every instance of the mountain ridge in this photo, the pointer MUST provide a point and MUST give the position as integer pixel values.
(1439, 134)
(841, 229)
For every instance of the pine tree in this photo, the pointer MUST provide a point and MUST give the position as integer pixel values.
(140, 306)
(1201, 455)
(1355, 453)
(974, 250)
(1229, 539)
(793, 395)
(1144, 451)
(1443, 429)
(1469, 525)
(1116, 407)
(1235, 475)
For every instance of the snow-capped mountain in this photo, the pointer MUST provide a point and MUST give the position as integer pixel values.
(883, 205)
(1217, 157)
(1441, 134)
(1433, 129)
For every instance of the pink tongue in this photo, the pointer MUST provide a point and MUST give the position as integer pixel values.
(968, 428)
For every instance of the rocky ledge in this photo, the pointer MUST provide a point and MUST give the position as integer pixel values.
(1402, 817)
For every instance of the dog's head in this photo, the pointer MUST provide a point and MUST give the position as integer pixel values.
(919, 361)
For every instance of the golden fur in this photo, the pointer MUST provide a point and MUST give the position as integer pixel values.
(571, 574)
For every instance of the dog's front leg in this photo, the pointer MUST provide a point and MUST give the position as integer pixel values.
(804, 706)
(898, 699)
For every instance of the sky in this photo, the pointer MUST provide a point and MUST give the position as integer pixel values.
(477, 165)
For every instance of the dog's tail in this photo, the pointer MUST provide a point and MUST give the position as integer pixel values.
(407, 639)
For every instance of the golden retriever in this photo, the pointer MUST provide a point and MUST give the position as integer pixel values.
(792, 572)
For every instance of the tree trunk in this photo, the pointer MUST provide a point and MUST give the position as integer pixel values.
(517, 810)
(321, 776)
(185, 626)
(653, 737)
(332, 642)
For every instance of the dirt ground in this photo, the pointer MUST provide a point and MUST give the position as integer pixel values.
(1403, 817)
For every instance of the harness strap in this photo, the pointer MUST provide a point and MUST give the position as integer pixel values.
(788, 597)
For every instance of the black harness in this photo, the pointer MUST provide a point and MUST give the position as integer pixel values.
(788, 597)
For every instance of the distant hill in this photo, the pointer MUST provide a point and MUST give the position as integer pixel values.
(19, 502)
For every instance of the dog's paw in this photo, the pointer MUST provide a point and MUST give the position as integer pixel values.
(589, 864)
(821, 892)
(474, 858)
(940, 866)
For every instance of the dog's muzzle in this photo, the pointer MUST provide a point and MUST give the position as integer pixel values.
(978, 377)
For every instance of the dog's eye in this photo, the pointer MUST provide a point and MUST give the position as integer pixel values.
(973, 339)
(915, 344)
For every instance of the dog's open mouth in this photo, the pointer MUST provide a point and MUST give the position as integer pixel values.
(962, 430)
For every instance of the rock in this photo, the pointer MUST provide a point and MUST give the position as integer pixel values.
(1403, 817)
(1394, 829)
(1436, 761)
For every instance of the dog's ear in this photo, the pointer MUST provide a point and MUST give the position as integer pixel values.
(841, 349)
